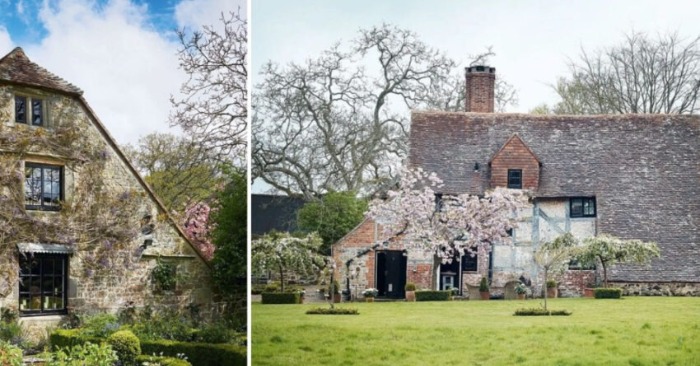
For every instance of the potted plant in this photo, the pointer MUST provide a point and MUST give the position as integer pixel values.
(410, 291)
(370, 294)
(552, 289)
(520, 291)
(589, 290)
(484, 289)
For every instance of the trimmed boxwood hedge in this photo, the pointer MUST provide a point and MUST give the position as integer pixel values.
(197, 353)
(281, 298)
(538, 312)
(608, 293)
(433, 295)
(334, 311)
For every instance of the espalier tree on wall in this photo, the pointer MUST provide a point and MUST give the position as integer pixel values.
(98, 220)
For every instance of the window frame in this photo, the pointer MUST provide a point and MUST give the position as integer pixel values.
(61, 184)
(29, 103)
(520, 179)
(468, 259)
(583, 200)
(65, 260)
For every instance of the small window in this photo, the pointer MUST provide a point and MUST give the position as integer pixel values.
(515, 178)
(470, 263)
(43, 187)
(29, 111)
(42, 286)
(582, 207)
(439, 203)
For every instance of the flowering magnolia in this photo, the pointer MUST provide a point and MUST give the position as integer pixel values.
(418, 213)
(196, 227)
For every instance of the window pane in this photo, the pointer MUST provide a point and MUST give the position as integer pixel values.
(589, 207)
(576, 207)
(48, 265)
(21, 109)
(37, 112)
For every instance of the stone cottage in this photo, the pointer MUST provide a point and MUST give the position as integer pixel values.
(632, 176)
(80, 230)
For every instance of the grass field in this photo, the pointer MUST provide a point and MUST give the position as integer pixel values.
(631, 331)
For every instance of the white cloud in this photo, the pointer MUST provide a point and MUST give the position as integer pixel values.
(5, 41)
(196, 13)
(125, 67)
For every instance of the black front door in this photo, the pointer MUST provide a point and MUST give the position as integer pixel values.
(390, 266)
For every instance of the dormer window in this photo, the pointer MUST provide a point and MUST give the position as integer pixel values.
(29, 111)
(515, 178)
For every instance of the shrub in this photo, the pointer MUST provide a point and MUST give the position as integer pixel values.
(100, 325)
(271, 287)
(410, 286)
(608, 293)
(370, 292)
(9, 315)
(215, 333)
(429, 295)
(11, 332)
(333, 311)
(520, 288)
(281, 298)
(484, 285)
(538, 312)
(198, 353)
(126, 345)
(79, 355)
(167, 325)
(10, 355)
(551, 283)
(161, 360)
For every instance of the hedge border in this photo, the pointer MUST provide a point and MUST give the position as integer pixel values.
(197, 353)
(430, 295)
(541, 312)
(281, 298)
(608, 293)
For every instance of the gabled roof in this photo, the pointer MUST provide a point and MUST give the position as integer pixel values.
(515, 139)
(16, 67)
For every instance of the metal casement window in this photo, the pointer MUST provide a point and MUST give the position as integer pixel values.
(29, 110)
(43, 187)
(43, 283)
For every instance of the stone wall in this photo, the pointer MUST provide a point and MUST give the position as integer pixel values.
(107, 292)
(658, 288)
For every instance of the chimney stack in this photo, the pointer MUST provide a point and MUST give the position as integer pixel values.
(481, 81)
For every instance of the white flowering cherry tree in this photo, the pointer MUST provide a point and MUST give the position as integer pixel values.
(419, 214)
(282, 253)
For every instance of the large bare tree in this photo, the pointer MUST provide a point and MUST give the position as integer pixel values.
(213, 109)
(339, 122)
(639, 75)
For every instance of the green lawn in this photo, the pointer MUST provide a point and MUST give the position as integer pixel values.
(631, 331)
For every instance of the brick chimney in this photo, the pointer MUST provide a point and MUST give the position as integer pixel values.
(481, 81)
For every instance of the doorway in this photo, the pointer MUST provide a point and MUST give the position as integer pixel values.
(390, 271)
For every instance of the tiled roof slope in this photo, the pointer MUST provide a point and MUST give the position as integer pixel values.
(643, 169)
(16, 67)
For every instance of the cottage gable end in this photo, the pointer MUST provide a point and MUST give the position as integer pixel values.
(515, 166)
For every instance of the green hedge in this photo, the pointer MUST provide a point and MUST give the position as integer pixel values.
(66, 338)
(538, 312)
(608, 293)
(163, 361)
(334, 311)
(198, 353)
(281, 298)
(433, 295)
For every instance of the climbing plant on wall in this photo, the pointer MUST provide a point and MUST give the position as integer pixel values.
(99, 218)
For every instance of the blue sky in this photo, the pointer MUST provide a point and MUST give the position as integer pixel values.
(121, 53)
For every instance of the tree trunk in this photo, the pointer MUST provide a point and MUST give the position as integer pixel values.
(605, 274)
(281, 278)
(545, 288)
